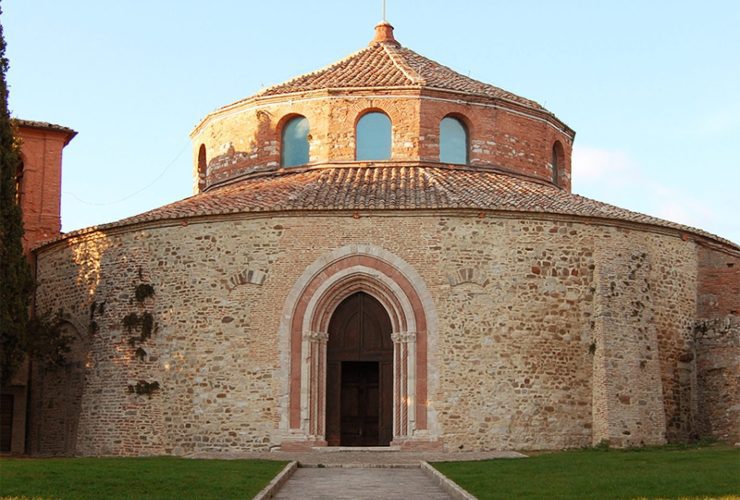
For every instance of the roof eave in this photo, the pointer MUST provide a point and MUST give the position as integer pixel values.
(46, 127)
(671, 229)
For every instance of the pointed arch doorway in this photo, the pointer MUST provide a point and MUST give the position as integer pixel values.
(359, 382)
(309, 308)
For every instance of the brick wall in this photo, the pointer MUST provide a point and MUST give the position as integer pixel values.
(717, 345)
(41, 185)
(245, 139)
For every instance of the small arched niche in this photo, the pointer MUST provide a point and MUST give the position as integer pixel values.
(557, 161)
(294, 146)
(453, 141)
(373, 134)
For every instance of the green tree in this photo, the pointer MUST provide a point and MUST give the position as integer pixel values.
(16, 282)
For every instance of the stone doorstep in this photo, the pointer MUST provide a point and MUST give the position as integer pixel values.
(339, 449)
(359, 465)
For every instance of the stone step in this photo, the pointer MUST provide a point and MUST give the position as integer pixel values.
(339, 449)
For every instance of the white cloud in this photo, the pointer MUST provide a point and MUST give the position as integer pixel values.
(593, 164)
(682, 209)
(613, 176)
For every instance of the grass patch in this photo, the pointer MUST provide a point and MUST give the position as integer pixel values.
(156, 477)
(647, 472)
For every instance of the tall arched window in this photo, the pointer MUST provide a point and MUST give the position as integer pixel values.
(294, 145)
(373, 137)
(202, 167)
(453, 141)
(558, 156)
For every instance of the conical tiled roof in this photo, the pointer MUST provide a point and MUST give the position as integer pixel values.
(398, 187)
(386, 63)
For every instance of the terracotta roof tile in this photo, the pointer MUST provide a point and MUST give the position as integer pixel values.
(389, 65)
(369, 67)
(438, 76)
(392, 188)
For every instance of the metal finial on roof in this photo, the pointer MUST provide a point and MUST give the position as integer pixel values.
(384, 19)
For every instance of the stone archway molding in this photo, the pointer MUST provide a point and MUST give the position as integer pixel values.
(306, 315)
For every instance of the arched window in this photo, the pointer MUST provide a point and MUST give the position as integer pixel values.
(294, 145)
(453, 141)
(373, 136)
(557, 161)
(202, 166)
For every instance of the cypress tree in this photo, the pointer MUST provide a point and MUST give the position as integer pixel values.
(16, 282)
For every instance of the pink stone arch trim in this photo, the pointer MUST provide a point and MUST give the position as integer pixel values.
(308, 309)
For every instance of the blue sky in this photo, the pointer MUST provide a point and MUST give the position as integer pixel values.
(651, 88)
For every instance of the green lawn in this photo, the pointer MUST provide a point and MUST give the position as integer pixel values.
(161, 477)
(650, 472)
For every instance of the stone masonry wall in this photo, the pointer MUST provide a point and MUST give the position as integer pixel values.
(514, 364)
(644, 298)
(246, 139)
(532, 337)
(56, 397)
(674, 281)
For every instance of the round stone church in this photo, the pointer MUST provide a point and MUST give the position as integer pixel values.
(385, 252)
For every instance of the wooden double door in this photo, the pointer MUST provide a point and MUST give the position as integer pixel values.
(359, 378)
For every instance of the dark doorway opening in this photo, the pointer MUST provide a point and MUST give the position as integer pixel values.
(359, 392)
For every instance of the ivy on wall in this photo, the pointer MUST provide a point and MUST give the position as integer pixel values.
(140, 327)
(143, 387)
(96, 309)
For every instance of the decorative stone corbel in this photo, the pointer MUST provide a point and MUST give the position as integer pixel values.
(467, 275)
(252, 276)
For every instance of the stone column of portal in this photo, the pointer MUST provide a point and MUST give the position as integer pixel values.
(404, 384)
(316, 362)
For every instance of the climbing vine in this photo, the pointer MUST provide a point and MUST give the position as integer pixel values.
(143, 387)
(143, 290)
(96, 309)
(140, 326)
(143, 324)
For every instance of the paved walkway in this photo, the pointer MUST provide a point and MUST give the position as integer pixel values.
(361, 483)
